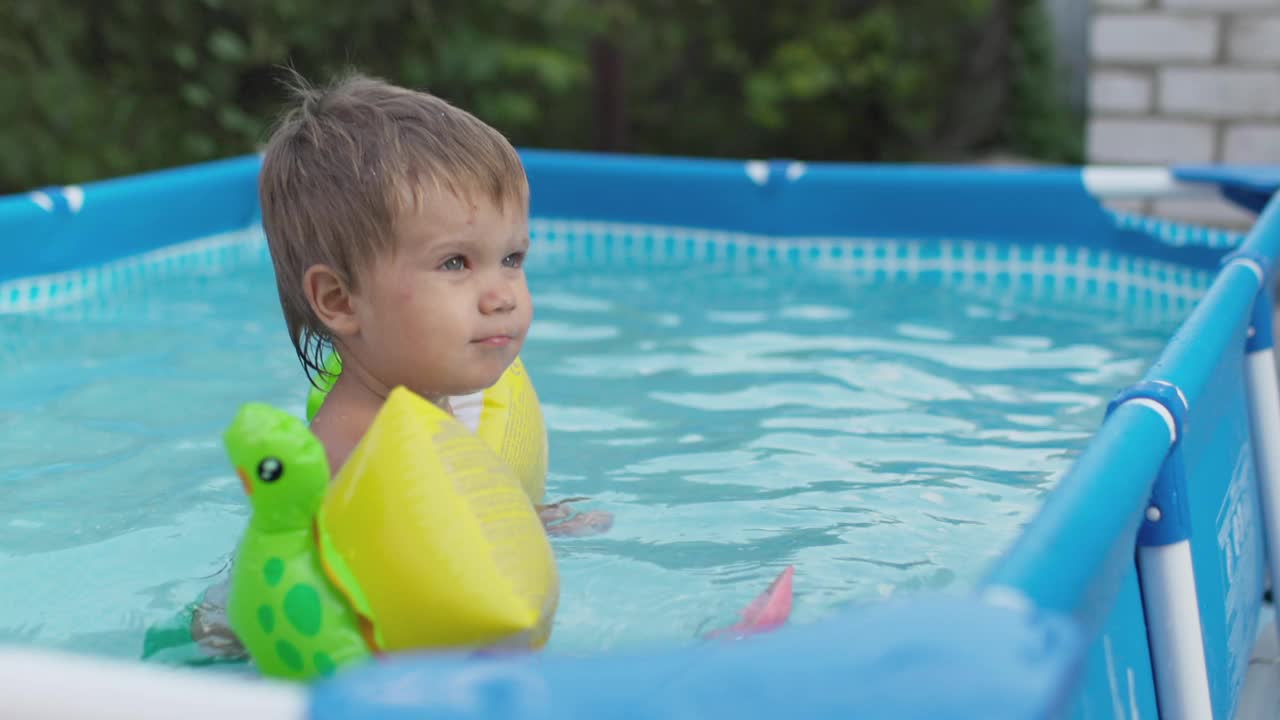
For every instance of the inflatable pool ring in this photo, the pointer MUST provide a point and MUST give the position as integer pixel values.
(425, 539)
(511, 422)
(282, 606)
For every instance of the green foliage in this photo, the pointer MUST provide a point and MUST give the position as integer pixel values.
(91, 90)
(1040, 123)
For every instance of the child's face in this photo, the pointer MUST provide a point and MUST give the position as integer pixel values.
(448, 311)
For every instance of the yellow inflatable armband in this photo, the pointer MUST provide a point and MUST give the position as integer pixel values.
(439, 545)
(511, 422)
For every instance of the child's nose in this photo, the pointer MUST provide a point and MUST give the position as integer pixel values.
(497, 300)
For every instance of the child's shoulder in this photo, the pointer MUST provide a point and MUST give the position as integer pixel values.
(339, 425)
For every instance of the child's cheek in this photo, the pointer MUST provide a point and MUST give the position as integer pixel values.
(404, 293)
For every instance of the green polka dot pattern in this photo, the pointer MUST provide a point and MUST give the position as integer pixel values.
(266, 619)
(302, 609)
(273, 571)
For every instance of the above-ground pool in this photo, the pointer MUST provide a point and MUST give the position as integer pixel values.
(893, 379)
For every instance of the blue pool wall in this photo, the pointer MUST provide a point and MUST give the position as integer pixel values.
(1078, 649)
(134, 214)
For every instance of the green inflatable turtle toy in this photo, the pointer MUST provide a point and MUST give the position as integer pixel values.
(284, 604)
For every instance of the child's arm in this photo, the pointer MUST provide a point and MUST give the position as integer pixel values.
(559, 519)
(211, 629)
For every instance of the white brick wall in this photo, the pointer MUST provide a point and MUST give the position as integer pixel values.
(1249, 144)
(1150, 141)
(1153, 37)
(1185, 81)
(1220, 92)
(1122, 91)
(1254, 40)
(1219, 5)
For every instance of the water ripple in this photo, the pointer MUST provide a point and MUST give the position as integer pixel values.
(775, 395)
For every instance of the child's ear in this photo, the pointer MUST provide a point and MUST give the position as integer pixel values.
(330, 300)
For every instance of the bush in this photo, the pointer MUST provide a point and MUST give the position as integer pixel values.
(120, 86)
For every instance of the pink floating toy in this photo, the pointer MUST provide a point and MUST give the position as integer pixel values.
(767, 612)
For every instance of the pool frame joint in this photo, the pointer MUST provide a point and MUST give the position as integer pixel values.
(1260, 333)
(1167, 517)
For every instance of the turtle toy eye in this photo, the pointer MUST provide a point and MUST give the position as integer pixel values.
(270, 470)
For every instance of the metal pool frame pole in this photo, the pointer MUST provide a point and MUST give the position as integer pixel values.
(1165, 566)
(1166, 570)
(1264, 423)
(1174, 630)
(1264, 404)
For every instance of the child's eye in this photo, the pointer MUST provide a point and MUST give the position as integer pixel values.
(457, 262)
(514, 260)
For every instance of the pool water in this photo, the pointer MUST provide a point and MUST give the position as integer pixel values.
(884, 438)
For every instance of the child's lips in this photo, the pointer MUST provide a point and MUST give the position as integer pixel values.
(494, 341)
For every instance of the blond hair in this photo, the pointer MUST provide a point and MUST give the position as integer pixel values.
(345, 163)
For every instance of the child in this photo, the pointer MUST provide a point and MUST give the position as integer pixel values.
(398, 228)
